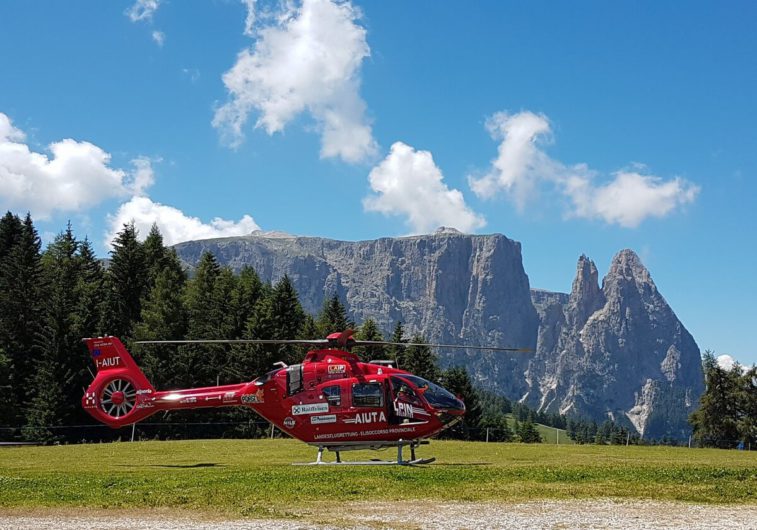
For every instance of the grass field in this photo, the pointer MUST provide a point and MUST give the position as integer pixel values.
(254, 478)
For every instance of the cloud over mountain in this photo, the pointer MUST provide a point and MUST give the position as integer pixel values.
(408, 182)
(522, 168)
(174, 224)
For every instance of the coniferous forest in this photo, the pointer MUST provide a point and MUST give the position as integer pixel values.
(51, 298)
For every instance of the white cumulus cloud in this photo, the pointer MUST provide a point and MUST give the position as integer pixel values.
(522, 167)
(73, 177)
(408, 182)
(306, 59)
(142, 10)
(174, 225)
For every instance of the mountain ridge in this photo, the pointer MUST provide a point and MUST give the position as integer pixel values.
(614, 350)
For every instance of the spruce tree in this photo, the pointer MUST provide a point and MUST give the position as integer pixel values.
(370, 331)
(279, 315)
(155, 255)
(395, 351)
(195, 364)
(716, 421)
(528, 433)
(333, 317)
(249, 291)
(457, 381)
(419, 359)
(62, 363)
(21, 302)
(127, 279)
(164, 317)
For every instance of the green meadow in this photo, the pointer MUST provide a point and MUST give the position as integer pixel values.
(255, 477)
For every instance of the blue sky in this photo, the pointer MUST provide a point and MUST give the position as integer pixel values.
(582, 127)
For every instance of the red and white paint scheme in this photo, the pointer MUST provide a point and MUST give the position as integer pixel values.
(331, 400)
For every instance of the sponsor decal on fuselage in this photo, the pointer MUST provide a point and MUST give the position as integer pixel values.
(289, 422)
(337, 369)
(310, 408)
(407, 410)
(319, 420)
(191, 399)
(367, 417)
(355, 434)
(257, 397)
(145, 391)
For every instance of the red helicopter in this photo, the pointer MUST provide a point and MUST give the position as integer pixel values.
(331, 400)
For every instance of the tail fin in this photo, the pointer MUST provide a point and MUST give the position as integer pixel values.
(119, 394)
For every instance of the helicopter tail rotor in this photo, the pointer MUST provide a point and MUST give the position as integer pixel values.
(117, 395)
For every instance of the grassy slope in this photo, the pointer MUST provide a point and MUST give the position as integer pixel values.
(254, 478)
(548, 434)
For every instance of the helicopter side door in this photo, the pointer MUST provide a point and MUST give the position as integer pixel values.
(405, 401)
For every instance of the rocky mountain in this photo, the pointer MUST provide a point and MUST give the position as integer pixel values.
(616, 351)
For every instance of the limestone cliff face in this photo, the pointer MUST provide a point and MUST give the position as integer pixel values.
(617, 351)
(448, 286)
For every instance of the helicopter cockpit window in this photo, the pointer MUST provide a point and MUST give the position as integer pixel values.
(367, 395)
(333, 395)
(403, 390)
(435, 395)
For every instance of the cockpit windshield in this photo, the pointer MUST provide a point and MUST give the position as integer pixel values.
(436, 396)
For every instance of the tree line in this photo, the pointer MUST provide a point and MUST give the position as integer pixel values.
(51, 299)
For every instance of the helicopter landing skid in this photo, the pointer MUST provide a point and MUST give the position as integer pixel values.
(374, 462)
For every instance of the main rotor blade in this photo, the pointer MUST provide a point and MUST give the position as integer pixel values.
(236, 341)
(456, 346)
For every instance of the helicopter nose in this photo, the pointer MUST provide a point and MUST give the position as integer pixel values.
(452, 415)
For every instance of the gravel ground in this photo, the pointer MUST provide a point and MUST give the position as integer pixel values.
(414, 515)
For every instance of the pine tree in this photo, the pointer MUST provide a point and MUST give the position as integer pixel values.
(197, 364)
(155, 255)
(457, 381)
(10, 233)
(333, 317)
(90, 292)
(164, 317)
(249, 291)
(419, 360)
(279, 315)
(21, 295)
(398, 336)
(716, 421)
(370, 331)
(62, 362)
(528, 433)
(126, 280)
(497, 426)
